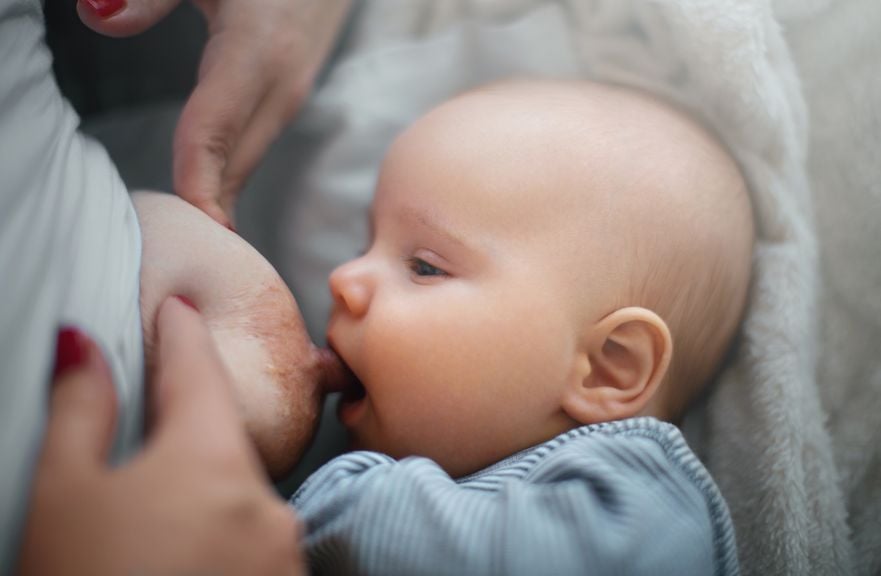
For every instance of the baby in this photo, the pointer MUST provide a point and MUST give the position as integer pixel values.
(554, 269)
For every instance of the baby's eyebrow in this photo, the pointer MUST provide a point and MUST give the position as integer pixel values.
(429, 221)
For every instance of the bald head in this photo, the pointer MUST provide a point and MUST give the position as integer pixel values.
(644, 203)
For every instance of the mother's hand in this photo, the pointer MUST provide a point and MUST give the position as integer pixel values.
(193, 502)
(257, 69)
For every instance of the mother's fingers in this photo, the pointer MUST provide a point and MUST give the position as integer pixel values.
(194, 401)
(225, 129)
(232, 84)
(123, 17)
(82, 411)
(271, 115)
(194, 497)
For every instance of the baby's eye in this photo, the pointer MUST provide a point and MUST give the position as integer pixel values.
(422, 268)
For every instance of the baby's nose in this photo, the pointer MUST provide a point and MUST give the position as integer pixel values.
(351, 288)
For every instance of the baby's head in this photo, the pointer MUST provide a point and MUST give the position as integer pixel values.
(278, 375)
(543, 255)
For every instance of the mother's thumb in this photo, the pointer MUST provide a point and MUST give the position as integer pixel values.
(123, 17)
(82, 413)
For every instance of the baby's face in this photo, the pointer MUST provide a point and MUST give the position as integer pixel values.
(461, 318)
(278, 374)
(508, 226)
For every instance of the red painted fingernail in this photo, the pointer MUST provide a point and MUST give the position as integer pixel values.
(71, 350)
(105, 8)
(187, 302)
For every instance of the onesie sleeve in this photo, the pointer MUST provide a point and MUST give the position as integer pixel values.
(598, 505)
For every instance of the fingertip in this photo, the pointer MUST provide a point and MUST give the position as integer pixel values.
(82, 403)
(101, 9)
(106, 17)
(172, 312)
(85, 389)
(227, 207)
(193, 184)
(187, 302)
(120, 18)
(71, 351)
(77, 352)
(177, 335)
(214, 211)
(220, 216)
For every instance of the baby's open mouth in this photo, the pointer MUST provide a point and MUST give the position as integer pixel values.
(354, 391)
(351, 403)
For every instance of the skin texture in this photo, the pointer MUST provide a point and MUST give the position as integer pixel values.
(196, 493)
(279, 376)
(257, 69)
(524, 242)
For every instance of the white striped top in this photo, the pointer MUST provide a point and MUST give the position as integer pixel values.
(70, 254)
(626, 497)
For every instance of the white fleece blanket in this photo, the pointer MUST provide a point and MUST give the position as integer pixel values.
(837, 48)
(789, 430)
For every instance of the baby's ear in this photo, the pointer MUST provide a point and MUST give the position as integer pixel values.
(624, 360)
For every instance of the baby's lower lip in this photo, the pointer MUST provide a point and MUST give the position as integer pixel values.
(351, 405)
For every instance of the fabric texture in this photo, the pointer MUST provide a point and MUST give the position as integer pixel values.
(70, 250)
(622, 497)
(837, 48)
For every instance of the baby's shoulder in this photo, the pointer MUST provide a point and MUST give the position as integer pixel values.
(633, 446)
(628, 465)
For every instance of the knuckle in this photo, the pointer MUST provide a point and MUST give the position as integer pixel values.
(217, 145)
